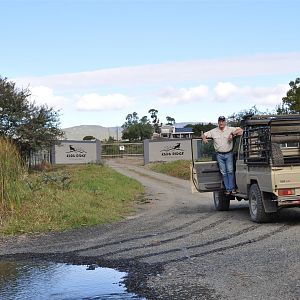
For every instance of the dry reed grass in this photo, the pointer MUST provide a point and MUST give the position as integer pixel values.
(12, 172)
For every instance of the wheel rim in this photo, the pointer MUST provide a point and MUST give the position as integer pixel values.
(253, 204)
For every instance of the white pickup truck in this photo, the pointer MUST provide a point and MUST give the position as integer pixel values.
(267, 167)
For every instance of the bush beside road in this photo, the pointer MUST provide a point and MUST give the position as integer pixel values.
(72, 197)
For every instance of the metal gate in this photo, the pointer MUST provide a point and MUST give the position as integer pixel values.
(122, 149)
(38, 158)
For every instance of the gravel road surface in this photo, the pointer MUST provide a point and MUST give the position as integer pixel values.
(178, 247)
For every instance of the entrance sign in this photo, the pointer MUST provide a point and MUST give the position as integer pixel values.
(167, 150)
(76, 152)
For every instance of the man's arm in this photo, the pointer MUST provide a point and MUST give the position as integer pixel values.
(236, 132)
(205, 137)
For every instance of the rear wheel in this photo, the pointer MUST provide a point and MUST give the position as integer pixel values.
(221, 201)
(256, 206)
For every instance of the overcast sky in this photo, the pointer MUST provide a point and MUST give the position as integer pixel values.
(97, 61)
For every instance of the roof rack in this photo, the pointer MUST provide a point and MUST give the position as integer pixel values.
(251, 119)
(262, 134)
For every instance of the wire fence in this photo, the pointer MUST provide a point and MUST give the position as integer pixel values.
(122, 149)
(39, 158)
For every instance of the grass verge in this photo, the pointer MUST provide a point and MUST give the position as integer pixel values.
(177, 168)
(91, 194)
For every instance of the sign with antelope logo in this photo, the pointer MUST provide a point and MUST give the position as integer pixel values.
(76, 152)
(167, 150)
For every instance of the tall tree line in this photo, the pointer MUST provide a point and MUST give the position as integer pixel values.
(31, 127)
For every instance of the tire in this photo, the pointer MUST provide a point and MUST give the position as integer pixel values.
(221, 201)
(277, 156)
(256, 206)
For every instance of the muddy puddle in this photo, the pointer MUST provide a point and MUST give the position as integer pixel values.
(46, 280)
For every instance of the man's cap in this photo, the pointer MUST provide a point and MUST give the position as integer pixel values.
(221, 118)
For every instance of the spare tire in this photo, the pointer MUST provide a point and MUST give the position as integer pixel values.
(277, 156)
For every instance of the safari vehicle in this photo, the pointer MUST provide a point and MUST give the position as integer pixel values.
(267, 167)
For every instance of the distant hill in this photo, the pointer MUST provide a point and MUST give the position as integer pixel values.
(103, 133)
(182, 124)
(99, 132)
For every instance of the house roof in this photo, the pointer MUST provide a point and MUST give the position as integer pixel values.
(184, 130)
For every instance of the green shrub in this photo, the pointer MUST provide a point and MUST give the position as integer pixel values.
(72, 197)
(12, 173)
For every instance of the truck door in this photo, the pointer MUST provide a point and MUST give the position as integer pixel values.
(205, 173)
(241, 170)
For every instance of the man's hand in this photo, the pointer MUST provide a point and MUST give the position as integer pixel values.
(238, 131)
(204, 139)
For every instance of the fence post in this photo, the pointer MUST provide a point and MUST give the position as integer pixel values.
(146, 151)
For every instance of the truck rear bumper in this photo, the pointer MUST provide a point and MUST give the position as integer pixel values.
(288, 201)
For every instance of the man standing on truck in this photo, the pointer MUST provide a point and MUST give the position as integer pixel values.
(223, 143)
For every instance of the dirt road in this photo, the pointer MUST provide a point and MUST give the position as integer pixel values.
(178, 247)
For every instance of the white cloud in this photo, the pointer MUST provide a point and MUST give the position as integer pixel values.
(44, 95)
(266, 96)
(175, 96)
(94, 101)
(225, 90)
(171, 73)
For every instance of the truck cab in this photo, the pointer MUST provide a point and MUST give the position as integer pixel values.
(267, 167)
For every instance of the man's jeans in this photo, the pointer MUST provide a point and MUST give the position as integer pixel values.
(225, 162)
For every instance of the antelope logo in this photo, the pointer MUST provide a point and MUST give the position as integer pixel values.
(174, 150)
(74, 149)
(75, 152)
(170, 148)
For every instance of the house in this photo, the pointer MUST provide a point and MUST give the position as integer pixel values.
(166, 131)
(182, 133)
(172, 132)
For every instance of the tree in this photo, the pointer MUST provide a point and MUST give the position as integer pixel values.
(170, 121)
(111, 139)
(131, 119)
(29, 126)
(291, 103)
(135, 129)
(236, 118)
(144, 120)
(89, 138)
(153, 115)
(145, 131)
(155, 121)
(199, 128)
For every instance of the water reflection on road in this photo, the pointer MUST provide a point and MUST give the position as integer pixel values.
(46, 280)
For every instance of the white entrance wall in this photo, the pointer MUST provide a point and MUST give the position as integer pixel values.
(76, 152)
(167, 150)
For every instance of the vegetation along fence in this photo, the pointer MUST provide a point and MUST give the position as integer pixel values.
(122, 149)
(38, 158)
